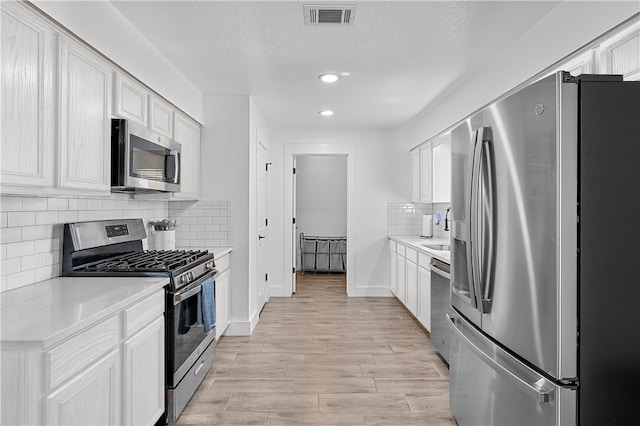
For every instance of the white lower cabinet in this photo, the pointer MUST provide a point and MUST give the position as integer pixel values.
(412, 287)
(144, 375)
(411, 281)
(109, 373)
(90, 398)
(222, 302)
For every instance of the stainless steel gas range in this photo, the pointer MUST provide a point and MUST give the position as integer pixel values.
(114, 248)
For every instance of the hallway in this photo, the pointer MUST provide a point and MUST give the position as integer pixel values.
(320, 358)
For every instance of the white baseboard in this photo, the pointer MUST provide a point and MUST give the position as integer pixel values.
(243, 328)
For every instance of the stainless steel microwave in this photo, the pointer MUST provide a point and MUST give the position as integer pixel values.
(142, 160)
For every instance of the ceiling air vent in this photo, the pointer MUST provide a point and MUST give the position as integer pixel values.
(329, 14)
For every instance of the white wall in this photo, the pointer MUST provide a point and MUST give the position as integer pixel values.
(564, 30)
(321, 197)
(380, 177)
(224, 174)
(101, 25)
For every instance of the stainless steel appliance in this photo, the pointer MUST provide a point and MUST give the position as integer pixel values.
(142, 160)
(544, 289)
(440, 302)
(114, 248)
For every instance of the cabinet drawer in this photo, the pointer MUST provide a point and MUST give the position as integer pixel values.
(222, 263)
(412, 255)
(400, 249)
(392, 245)
(76, 353)
(142, 313)
(424, 260)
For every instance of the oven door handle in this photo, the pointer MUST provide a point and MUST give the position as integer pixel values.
(179, 297)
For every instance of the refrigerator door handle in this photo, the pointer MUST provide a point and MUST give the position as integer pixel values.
(485, 222)
(541, 389)
(474, 215)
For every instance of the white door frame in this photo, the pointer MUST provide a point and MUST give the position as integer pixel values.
(293, 150)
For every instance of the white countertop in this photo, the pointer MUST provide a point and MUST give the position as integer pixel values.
(46, 312)
(417, 243)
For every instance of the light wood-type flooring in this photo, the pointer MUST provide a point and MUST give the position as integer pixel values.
(320, 358)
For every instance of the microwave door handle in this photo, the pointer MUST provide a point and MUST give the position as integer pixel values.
(176, 159)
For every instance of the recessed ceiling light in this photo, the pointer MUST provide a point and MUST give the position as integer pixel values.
(345, 74)
(328, 78)
(326, 113)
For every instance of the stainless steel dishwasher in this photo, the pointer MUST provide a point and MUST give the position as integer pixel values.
(440, 302)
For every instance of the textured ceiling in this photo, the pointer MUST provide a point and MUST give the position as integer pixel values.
(401, 55)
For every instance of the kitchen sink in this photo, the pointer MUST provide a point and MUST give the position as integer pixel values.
(438, 247)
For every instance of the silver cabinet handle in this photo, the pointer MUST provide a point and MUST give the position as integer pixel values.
(541, 390)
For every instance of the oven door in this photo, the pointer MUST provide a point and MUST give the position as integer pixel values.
(186, 340)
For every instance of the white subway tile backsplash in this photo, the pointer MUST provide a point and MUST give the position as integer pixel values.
(21, 219)
(11, 204)
(10, 235)
(20, 279)
(32, 227)
(34, 204)
(46, 218)
(58, 204)
(24, 248)
(10, 266)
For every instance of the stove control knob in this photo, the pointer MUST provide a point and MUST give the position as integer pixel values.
(191, 276)
(184, 279)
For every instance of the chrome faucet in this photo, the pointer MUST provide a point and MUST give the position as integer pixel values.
(446, 220)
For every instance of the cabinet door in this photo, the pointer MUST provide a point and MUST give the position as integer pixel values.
(412, 287)
(426, 183)
(415, 175)
(442, 170)
(144, 375)
(619, 54)
(394, 272)
(424, 297)
(160, 116)
(85, 119)
(29, 50)
(222, 302)
(187, 134)
(131, 100)
(402, 278)
(90, 398)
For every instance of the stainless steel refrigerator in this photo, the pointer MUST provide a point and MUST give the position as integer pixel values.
(545, 285)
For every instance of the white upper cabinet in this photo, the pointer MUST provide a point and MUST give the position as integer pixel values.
(426, 172)
(442, 169)
(131, 100)
(620, 54)
(415, 175)
(187, 134)
(160, 116)
(85, 118)
(29, 49)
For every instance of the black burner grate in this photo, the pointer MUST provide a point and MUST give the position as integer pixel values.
(145, 261)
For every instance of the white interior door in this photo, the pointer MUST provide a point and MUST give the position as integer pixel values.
(263, 252)
(293, 232)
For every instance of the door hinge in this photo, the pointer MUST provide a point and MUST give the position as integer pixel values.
(266, 166)
(294, 220)
(266, 277)
(293, 270)
(294, 170)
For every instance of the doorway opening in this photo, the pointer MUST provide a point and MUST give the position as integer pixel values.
(321, 222)
(344, 153)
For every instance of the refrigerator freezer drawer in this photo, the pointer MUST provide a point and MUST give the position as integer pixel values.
(491, 387)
